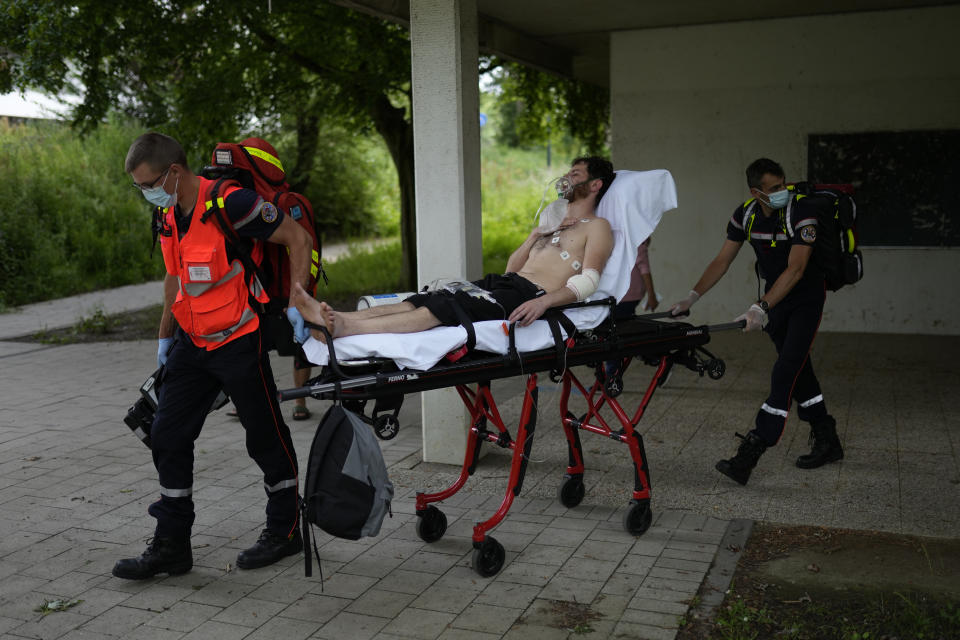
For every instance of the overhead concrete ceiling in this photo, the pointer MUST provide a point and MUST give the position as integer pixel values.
(572, 38)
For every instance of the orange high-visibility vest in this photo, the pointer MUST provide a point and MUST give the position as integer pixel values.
(213, 299)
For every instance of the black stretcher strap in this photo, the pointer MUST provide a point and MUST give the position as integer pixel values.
(558, 320)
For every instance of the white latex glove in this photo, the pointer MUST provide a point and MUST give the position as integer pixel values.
(163, 347)
(754, 318)
(685, 304)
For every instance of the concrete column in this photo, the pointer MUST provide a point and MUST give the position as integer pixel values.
(446, 134)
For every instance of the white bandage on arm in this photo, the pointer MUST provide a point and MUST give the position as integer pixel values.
(584, 284)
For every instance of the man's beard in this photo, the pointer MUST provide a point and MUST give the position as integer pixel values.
(579, 192)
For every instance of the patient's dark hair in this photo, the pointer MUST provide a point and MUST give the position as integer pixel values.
(598, 169)
(760, 167)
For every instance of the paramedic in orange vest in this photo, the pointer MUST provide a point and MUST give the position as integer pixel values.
(210, 339)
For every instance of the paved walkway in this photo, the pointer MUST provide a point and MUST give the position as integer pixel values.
(75, 484)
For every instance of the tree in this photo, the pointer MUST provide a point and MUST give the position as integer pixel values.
(205, 70)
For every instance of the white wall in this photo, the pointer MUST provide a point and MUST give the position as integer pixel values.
(705, 101)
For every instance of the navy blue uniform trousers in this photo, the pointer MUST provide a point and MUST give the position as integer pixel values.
(792, 325)
(192, 378)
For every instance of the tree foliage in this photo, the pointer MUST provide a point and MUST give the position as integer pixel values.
(533, 106)
(208, 70)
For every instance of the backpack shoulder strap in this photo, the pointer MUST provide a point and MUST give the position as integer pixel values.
(215, 208)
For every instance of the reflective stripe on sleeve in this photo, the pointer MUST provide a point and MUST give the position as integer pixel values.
(254, 212)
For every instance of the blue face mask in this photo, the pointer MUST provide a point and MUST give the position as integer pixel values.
(778, 199)
(160, 198)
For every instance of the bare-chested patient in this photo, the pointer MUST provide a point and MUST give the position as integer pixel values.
(549, 269)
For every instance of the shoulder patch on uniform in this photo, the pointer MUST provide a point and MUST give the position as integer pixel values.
(268, 211)
(809, 234)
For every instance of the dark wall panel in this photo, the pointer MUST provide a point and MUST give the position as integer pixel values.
(907, 183)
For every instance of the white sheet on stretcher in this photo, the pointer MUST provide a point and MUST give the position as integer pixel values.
(633, 205)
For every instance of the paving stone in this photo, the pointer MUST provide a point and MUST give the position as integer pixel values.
(419, 623)
(315, 608)
(286, 628)
(211, 630)
(467, 634)
(249, 612)
(344, 585)
(487, 618)
(119, 621)
(185, 616)
(404, 581)
(508, 594)
(572, 589)
(51, 626)
(444, 598)
(642, 632)
(378, 602)
(351, 625)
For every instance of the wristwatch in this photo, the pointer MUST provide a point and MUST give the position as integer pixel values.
(763, 305)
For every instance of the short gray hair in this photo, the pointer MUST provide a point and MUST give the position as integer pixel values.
(155, 149)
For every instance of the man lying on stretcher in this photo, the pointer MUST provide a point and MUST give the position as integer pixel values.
(554, 266)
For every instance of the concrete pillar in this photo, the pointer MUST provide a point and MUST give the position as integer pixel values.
(446, 134)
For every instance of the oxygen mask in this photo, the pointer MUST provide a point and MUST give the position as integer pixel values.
(555, 211)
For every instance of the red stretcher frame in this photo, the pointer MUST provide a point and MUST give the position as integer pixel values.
(660, 344)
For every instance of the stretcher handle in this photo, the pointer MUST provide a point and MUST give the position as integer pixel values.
(725, 326)
(324, 387)
(664, 314)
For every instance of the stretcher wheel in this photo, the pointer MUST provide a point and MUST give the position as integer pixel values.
(386, 427)
(488, 557)
(431, 524)
(638, 517)
(571, 491)
(716, 368)
(613, 386)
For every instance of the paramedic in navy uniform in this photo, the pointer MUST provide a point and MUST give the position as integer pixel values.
(791, 306)
(207, 304)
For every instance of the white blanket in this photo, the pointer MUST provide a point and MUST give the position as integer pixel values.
(633, 205)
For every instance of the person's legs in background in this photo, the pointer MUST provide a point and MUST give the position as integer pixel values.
(301, 373)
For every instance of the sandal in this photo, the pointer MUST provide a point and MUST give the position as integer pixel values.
(300, 412)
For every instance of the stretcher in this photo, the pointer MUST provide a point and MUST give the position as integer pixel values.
(383, 368)
(650, 339)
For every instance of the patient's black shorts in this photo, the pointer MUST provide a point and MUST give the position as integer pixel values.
(509, 290)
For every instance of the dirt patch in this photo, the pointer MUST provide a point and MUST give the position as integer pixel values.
(816, 582)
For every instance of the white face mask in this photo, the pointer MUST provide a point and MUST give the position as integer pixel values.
(158, 196)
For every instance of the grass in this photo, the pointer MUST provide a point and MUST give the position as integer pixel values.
(70, 223)
(512, 185)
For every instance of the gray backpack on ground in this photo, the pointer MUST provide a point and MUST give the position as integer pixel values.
(347, 491)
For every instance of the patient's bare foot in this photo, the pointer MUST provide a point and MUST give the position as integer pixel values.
(312, 311)
(331, 320)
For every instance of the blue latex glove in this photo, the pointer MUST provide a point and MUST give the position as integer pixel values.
(163, 347)
(300, 332)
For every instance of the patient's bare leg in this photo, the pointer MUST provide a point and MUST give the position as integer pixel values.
(405, 318)
(352, 323)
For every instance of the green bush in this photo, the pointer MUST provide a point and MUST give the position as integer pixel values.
(71, 223)
(69, 220)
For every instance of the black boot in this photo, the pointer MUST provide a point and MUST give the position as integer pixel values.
(738, 467)
(826, 444)
(269, 548)
(163, 555)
